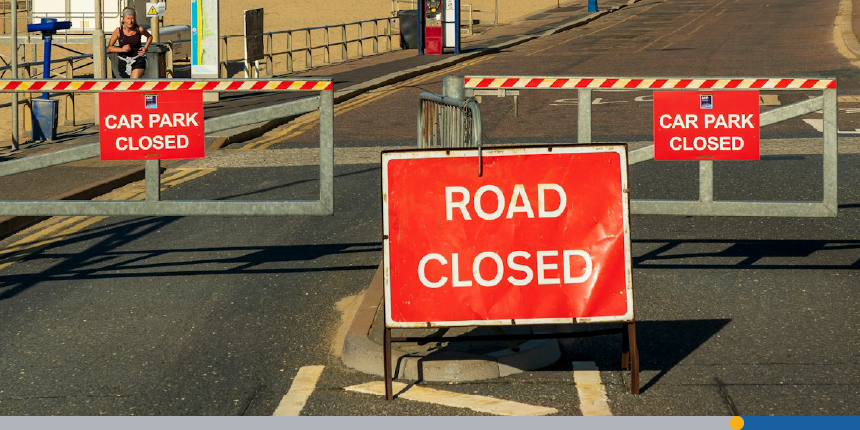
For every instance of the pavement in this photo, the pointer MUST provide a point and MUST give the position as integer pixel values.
(362, 347)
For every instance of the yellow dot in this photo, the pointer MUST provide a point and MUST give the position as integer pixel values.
(737, 423)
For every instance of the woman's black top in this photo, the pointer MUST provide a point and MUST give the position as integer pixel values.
(133, 41)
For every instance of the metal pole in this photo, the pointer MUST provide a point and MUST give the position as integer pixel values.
(155, 26)
(327, 150)
(46, 64)
(583, 120)
(496, 9)
(152, 180)
(98, 43)
(14, 51)
(706, 181)
(831, 150)
(454, 86)
(99, 65)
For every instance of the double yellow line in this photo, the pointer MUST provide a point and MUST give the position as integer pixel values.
(58, 228)
(308, 121)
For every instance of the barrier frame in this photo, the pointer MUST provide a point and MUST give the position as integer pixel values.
(152, 205)
(705, 205)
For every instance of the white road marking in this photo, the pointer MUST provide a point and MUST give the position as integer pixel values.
(303, 386)
(818, 125)
(484, 404)
(591, 392)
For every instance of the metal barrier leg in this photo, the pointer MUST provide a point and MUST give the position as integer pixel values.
(706, 181)
(327, 150)
(153, 180)
(831, 150)
(583, 120)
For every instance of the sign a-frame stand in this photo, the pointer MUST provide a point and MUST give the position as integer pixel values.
(540, 237)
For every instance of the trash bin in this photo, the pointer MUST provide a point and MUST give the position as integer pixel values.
(156, 62)
(408, 28)
(44, 119)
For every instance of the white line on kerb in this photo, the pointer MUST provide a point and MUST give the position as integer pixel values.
(591, 392)
(484, 404)
(303, 386)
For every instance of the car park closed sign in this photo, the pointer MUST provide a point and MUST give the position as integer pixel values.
(157, 125)
(706, 125)
(541, 236)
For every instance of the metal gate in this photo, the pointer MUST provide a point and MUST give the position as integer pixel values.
(705, 205)
(446, 122)
(153, 205)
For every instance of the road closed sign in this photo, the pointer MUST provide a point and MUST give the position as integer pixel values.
(706, 125)
(541, 237)
(157, 125)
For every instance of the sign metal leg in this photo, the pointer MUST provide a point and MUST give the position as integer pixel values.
(634, 357)
(625, 349)
(386, 362)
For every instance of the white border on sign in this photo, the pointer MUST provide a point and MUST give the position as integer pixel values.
(620, 149)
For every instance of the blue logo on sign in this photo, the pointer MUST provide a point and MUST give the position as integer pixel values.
(706, 101)
(150, 101)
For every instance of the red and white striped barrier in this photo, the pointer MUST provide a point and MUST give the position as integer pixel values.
(96, 85)
(496, 82)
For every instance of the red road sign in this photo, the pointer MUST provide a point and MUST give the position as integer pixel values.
(541, 237)
(151, 125)
(706, 125)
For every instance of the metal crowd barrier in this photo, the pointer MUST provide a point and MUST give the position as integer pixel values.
(705, 205)
(446, 122)
(153, 205)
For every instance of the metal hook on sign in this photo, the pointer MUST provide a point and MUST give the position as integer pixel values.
(480, 160)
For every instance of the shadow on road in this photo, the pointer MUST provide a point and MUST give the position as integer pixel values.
(746, 254)
(108, 255)
(663, 345)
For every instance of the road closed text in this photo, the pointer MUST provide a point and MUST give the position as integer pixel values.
(695, 125)
(488, 203)
(159, 125)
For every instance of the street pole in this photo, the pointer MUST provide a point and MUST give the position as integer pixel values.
(99, 70)
(155, 29)
(13, 40)
(98, 43)
(496, 9)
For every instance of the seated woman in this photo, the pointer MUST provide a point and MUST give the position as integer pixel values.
(131, 56)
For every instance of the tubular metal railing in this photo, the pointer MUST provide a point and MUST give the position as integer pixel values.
(33, 70)
(333, 37)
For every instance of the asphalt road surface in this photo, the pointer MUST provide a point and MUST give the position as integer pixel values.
(225, 316)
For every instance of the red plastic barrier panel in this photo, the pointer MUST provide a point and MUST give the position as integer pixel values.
(151, 125)
(541, 237)
(706, 125)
